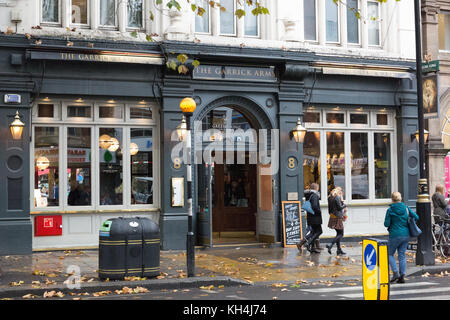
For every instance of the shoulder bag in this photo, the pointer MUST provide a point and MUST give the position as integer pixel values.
(414, 230)
(307, 207)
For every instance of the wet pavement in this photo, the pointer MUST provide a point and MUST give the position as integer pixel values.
(235, 265)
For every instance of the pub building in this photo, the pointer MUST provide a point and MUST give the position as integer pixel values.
(98, 140)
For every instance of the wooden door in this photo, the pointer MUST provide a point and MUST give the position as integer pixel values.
(234, 197)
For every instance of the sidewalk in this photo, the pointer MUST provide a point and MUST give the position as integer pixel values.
(43, 272)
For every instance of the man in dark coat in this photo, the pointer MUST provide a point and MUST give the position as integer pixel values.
(314, 220)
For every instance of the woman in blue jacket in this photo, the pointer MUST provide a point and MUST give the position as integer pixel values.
(396, 221)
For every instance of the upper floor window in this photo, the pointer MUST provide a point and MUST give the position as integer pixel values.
(444, 30)
(250, 21)
(374, 23)
(135, 13)
(332, 21)
(51, 11)
(108, 13)
(227, 17)
(310, 23)
(352, 21)
(80, 12)
(202, 23)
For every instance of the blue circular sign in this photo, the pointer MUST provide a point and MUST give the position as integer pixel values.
(370, 257)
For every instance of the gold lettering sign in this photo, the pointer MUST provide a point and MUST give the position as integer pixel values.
(235, 73)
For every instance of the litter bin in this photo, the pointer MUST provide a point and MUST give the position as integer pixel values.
(129, 247)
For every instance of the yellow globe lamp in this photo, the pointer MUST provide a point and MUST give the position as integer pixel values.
(187, 106)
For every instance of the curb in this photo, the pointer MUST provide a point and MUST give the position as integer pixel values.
(155, 284)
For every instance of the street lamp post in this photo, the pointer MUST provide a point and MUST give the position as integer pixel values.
(187, 106)
(424, 253)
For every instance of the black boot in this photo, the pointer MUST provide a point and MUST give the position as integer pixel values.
(401, 279)
(395, 277)
(339, 252)
(317, 245)
(300, 244)
(310, 247)
(329, 246)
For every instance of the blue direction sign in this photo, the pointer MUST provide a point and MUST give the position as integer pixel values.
(370, 257)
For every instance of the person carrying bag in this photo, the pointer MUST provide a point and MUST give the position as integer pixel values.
(396, 220)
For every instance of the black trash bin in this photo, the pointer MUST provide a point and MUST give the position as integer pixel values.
(129, 247)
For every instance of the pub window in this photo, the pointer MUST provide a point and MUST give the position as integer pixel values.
(311, 161)
(51, 11)
(374, 23)
(335, 161)
(46, 167)
(141, 162)
(108, 14)
(311, 117)
(45, 110)
(310, 22)
(135, 13)
(352, 22)
(251, 25)
(383, 164)
(359, 118)
(332, 21)
(227, 17)
(80, 12)
(79, 111)
(140, 112)
(444, 30)
(202, 23)
(335, 118)
(382, 119)
(359, 165)
(110, 112)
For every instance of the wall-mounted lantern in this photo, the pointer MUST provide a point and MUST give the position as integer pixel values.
(299, 132)
(17, 127)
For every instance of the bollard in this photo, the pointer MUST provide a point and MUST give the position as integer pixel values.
(375, 269)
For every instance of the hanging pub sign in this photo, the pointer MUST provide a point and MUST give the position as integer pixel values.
(430, 86)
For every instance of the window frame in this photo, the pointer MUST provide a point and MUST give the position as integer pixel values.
(316, 40)
(339, 24)
(95, 124)
(235, 23)
(353, 44)
(116, 17)
(86, 25)
(380, 31)
(209, 22)
(371, 129)
(144, 8)
(258, 21)
(46, 23)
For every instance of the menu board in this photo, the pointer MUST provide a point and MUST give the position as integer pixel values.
(292, 223)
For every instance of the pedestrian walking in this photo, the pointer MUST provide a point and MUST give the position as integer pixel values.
(314, 220)
(314, 192)
(338, 213)
(396, 221)
(439, 205)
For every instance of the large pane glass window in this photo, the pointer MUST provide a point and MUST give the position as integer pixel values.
(80, 11)
(141, 113)
(309, 11)
(332, 24)
(227, 18)
(79, 111)
(50, 11)
(352, 22)
(46, 166)
(141, 154)
(79, 166)
(359, 165)
(110, 163)
(335, 160)
(373, 24)
(383, 163)
(108, 12)
(250, 21)
(311, 162)
(444, 31)
(135, 12)
(202, 22)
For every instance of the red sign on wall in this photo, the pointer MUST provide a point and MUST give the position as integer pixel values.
(48, 225)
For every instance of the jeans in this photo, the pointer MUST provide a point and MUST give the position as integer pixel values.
(400, 244)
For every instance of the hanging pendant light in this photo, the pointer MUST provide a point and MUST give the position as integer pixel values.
(114, 145)
(104, 141)
(134, 149)
(42, 163)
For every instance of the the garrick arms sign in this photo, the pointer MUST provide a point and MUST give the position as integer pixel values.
(235, 73)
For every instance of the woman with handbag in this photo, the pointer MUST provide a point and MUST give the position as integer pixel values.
(337, 210)
(396, 220)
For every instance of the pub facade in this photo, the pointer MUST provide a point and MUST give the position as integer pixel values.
(100, 132)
